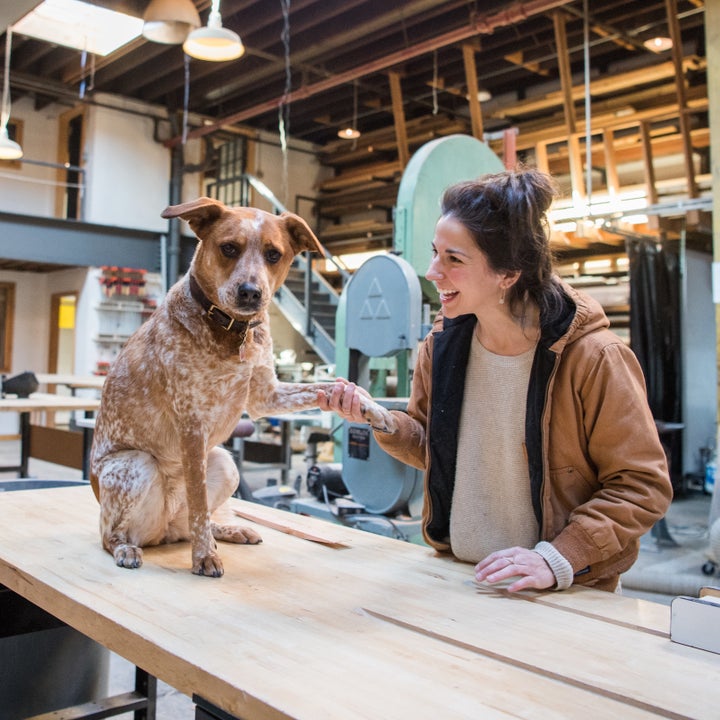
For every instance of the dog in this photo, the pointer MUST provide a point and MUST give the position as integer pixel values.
(182, 381)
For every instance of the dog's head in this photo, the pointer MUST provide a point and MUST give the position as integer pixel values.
(243, 255)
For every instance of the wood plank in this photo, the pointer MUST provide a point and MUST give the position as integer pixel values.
(563, 57)
(640, 675)
(602, 86)
(283, 633)
(57, 445)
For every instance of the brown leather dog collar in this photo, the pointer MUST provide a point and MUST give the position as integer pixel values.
(216, 315)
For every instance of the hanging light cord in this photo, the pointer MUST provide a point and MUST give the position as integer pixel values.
(186, 98)
(284, 107)
(5, 115)
(355, 110)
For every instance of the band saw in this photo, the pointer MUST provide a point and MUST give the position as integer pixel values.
(383, 313)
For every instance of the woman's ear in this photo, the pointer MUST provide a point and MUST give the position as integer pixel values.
(509, 279)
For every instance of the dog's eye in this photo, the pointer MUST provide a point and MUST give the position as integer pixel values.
(273, 256)
(229, 250)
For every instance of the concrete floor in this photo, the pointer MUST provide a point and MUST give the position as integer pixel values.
(665, 568)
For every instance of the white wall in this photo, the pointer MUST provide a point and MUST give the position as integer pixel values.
(30, 189)
(304, 173)
(128, 171)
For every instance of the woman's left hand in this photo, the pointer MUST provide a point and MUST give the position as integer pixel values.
(534, 572)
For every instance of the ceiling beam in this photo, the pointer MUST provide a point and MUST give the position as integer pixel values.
(481, 24)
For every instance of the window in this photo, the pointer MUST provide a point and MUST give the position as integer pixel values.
(7, 315)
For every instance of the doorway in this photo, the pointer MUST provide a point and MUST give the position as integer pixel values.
(69, 196)
(61, 352)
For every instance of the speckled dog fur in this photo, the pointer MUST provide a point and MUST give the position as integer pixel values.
(181, 383)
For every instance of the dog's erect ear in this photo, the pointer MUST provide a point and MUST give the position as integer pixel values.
(301, 236)
(198, 212)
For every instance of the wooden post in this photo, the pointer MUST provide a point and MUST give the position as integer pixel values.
(399, 119)
(472, 88)
(649, 172)
(677, 58)
(541, 157)
(576, 174)
(611, 175)
(509, 149)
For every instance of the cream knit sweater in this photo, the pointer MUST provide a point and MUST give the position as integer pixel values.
(491, 505)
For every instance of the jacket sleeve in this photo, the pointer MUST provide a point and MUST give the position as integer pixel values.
(632, 489)
(408, 443)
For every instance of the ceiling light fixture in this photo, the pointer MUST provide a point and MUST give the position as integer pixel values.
(9, 149)
(658, 44)
(170, 21)
(214, 42)
(351, 132)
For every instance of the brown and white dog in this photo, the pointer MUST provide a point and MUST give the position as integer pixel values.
(180, 384)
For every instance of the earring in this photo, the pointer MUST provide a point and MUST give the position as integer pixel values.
(502, 297)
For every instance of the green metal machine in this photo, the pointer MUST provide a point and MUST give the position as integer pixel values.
(383, 314)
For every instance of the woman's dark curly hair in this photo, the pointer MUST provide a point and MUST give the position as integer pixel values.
(506, 214)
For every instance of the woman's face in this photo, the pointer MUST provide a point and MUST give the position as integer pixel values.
(461, 272)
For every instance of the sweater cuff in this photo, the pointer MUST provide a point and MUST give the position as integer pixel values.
(561, 568)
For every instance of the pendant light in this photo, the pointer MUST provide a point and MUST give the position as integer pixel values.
(170, 21)
(214, 42)
(658, 44)
(9, 149)
(351, 132)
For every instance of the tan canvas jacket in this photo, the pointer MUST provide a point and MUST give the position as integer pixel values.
(599, 469)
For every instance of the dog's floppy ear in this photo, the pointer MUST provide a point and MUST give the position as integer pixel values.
(198, 212)
(301, 236)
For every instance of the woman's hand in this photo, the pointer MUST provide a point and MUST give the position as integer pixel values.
(534, 572)
(344, 398)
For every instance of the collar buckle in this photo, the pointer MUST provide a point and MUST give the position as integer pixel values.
(221, 318)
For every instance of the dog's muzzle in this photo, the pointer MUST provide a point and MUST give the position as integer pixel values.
(249, 297)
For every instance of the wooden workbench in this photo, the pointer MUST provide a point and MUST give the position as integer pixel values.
(74, 382)
(40, 403)
(356, 626)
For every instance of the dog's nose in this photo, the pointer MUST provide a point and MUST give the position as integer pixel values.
(249, 295)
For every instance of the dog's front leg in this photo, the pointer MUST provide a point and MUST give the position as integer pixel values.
(205, 559)
(291, 397)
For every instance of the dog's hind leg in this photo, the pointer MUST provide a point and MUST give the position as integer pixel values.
(129, 516)
(222, 479)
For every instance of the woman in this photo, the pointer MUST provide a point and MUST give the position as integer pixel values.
(529, 416)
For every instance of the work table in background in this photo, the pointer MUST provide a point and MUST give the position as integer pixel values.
(350, 624)
(47, 442)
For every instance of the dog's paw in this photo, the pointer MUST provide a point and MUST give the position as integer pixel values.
(378, 417)
(235, 534)
(210, 565)
(128, 556)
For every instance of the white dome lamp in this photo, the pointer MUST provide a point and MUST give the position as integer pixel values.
(170, 21)
(9, 149)
(214, 42)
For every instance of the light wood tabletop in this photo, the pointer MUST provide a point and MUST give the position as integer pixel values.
(72, 381)
(47, 401)
(323, 621)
